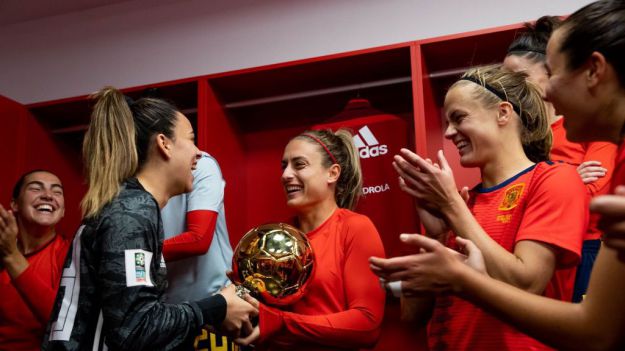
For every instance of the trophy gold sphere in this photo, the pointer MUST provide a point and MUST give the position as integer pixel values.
(274, 262)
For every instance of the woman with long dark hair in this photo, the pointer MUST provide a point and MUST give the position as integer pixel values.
(594, 160)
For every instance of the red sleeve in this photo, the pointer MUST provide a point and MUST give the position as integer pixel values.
(606, 154)
(359, 324)
(194, 242)
(39, 292)
(557, 212)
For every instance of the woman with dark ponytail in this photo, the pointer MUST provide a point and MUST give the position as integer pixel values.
(498, 122)
(344, 303)
(137, 155)
(594, 160)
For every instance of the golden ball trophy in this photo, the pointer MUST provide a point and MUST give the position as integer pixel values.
(273, 263)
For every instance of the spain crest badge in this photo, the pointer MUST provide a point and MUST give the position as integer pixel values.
(511, 197)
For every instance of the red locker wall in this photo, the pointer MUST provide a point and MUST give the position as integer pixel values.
(12, 117)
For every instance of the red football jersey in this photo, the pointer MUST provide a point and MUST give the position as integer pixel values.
(619, 169)
(343, 306)
(576, 154)
(379, 136)
(26, 301)
(547, 203)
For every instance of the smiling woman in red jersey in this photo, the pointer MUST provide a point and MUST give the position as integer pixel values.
(31, 259)
(498, 122)
(344, 303)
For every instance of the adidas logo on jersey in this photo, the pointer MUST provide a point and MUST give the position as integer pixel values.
(367, 144)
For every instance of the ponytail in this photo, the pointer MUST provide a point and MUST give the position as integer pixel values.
(109, 151)
(349, 187)
(536, 135)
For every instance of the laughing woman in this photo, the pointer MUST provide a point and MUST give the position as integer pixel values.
(138, 154)
(527, 216)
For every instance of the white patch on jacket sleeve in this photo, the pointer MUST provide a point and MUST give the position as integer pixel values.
(138, 267)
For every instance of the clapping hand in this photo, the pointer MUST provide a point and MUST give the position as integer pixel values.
(433, 268)
(612, 222)
(8, 233)
(432, 184)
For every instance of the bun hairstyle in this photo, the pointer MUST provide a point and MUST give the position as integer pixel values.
(532, 42)
(117, 141)
(338, 148)
(492, 85)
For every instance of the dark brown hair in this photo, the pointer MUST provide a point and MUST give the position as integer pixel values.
(598, 26)
(531, 43)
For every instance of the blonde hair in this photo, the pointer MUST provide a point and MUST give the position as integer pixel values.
(340, 146)
(494, 85)
(117, 142)
(109, 151)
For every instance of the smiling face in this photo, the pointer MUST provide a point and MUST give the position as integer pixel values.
(40, 200)
(306, 181)
(471, 126)
(184, 153)
(564, 89)
(570, 94)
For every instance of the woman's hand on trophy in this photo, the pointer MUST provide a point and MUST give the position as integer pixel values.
(238, 313)
(241, 291)
(250, 339)
(252, 301)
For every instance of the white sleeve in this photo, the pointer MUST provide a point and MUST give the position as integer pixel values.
(208, 186)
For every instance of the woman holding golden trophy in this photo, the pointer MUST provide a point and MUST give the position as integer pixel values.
(316, 291)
